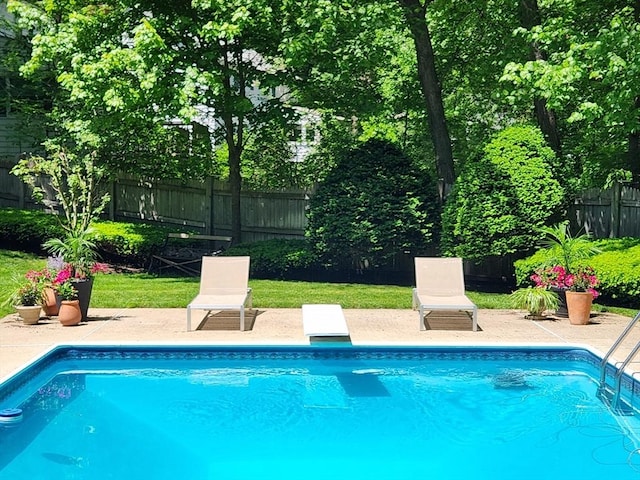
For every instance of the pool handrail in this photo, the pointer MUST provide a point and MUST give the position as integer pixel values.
(619, 369)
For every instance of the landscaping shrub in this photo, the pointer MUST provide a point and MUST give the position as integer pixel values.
(27, 230)
(501, 199)
(129, 243)
(276, 258)
(120, 242)
(373, 205)
(617, 268)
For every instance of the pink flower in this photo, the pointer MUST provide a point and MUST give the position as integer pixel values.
(62, 276)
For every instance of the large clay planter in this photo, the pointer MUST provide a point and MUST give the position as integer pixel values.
(83, 287)
(50, 303)
(579, 307)
(69, 313)
(29, 314)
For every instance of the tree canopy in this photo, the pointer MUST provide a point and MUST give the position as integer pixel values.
(131, 79)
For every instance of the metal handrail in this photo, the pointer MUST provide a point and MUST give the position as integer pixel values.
(619, 369)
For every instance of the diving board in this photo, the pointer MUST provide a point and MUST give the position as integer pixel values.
(324, 321)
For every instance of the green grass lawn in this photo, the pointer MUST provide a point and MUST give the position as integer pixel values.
(130, 290)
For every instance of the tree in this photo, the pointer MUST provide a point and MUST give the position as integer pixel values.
(374, 205)
(502, 199)
(415, 12)
(590, 77)
(343, 55)
(126, 69)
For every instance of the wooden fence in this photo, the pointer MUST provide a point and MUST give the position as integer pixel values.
(610, 213)
(206, 207)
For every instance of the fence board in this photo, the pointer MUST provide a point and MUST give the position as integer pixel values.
(205, 206)
(610, 213)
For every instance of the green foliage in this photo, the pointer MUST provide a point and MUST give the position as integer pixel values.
(536, 300)
(276, 258)
(374, 205)
(501, 200)
(75, 180)
(617, 267)
(565, 249)
(129, 243)
(590, 77)
(27, 229)
(29, 291)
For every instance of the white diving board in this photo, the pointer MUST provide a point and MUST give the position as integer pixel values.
(324, 321)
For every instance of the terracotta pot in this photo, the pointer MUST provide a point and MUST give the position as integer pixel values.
(579, 307)
(69, 313)
(30, 314)
(50, 303)
(84, 287)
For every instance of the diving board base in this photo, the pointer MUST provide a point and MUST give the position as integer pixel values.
(321, 321)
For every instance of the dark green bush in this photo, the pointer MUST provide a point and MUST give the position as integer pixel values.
(373, 205)
(276, 258)
(617, 268)
(27, 229)
(500, 200)
(128, 243)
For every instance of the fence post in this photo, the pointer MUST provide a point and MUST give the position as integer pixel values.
(614, 232)
(208, 213)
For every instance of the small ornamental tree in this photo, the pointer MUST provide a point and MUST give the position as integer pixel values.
(502, 199)
(374, 204)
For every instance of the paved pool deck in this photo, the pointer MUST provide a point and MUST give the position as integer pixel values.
(21, 344)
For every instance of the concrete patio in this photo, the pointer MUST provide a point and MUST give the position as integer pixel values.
(20, 344)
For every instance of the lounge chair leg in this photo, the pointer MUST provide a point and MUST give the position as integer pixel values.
(242, 318)
(188, 319)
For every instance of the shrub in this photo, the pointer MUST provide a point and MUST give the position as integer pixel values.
(617, 268)
(120, 242)
(276, 258)
(501, 200)
(131, 243)
(27, 230)
(374, 204)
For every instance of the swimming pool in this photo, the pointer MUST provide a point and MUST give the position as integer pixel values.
(294, 412)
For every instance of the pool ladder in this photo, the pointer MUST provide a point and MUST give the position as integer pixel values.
(611, 394)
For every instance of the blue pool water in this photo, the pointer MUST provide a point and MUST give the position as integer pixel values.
(307, 413)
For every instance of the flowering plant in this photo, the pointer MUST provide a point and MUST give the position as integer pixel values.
(583, 280)
(30, 291)
(66, 290)
(75, 253)
(65, 277)
(69, 272)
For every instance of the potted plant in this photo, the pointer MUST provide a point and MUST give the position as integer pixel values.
(73, 173)
(79, 270)
(569, 273)
(536, 300)
(69, 312)
(27, 298)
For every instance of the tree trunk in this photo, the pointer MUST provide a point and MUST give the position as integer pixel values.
(415, 14)
(235, 183)
(634, 136)
(234, 139)
(634, 148)
(546, 118)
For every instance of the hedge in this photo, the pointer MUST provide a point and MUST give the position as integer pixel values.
(119, 242)
(617, 268)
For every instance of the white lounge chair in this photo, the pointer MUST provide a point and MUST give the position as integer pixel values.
(223, 286)
(324, 321)
(440, 286)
